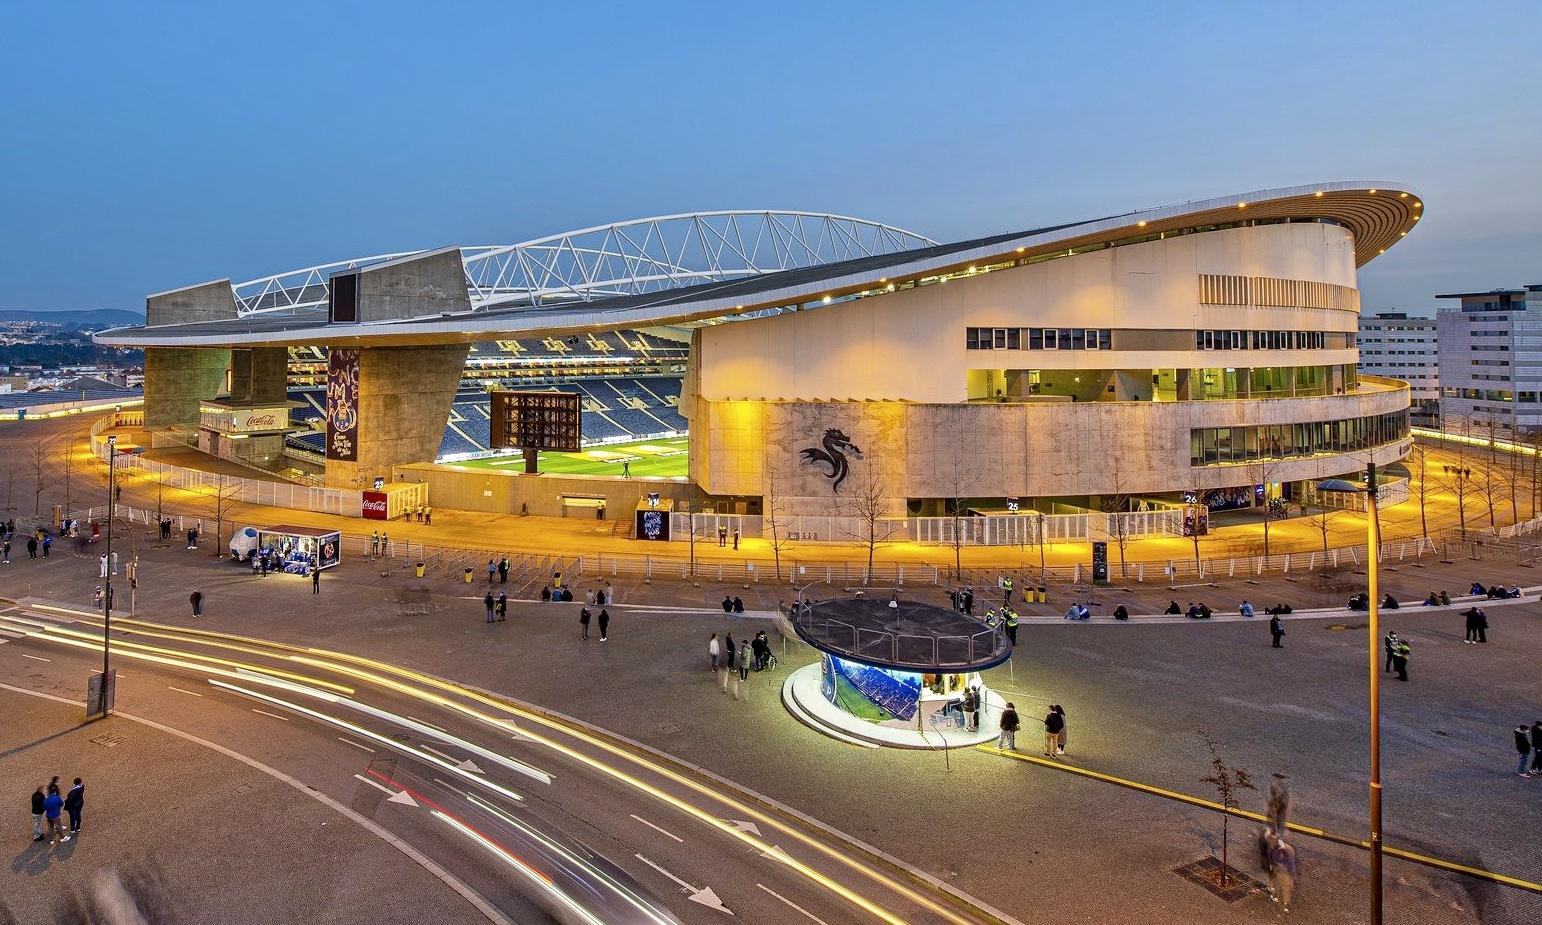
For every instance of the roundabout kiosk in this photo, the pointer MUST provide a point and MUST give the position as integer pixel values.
(895, 673)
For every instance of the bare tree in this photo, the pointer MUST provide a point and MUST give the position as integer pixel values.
(955, 481)
(774, 520)
(10, 481)
(1322, 522)
(1419, 470)
(1229, 781)
(1490, 473)
(1457, 478)
(868, 504)
(223, 493)
(1114, 506)
(41, 455)
(1534, 440)
(1262, 473)
(67, 472)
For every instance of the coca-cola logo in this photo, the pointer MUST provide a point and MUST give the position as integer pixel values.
(262, 420)
(372, 505)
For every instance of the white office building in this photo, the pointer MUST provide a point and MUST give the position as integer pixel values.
(1491, 357)
(1397, 346)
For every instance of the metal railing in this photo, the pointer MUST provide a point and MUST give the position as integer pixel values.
(949, 651)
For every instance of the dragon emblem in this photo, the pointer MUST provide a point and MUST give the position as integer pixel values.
(836, 445)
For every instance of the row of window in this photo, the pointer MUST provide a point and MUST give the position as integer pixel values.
(1259, 443)
(1038, 339)
(1525, 398)
(1266, 340)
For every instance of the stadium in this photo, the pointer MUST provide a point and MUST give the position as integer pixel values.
(816, 368)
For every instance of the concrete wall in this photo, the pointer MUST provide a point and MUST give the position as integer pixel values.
(211, 301)
(259, 375)
(177, 380)
(909, 345)
(411, 287)
(996, 450)
(405, 395)
(462, 488)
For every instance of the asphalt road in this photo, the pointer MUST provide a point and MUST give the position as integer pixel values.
(537, 817)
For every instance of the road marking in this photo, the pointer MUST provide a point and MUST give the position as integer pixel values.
(706, 895)
(425, 723)
(430, 748)
(1174, 795)
(657, 829)
(743, 826)
(792, 904)
(355, 744)
(377, 785)
(118, 671)
(450, 786)
(38, 658)
(181, 691)
(274, 715)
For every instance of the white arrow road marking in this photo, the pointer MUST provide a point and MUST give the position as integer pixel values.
(469, 765)
(706, 895)
(656, 828)
(376, 784)
(446, 757)
(404, 798)
(792, 904)
(775, 853)
(743, 826)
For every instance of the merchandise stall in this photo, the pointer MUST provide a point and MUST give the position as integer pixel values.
(297, 549)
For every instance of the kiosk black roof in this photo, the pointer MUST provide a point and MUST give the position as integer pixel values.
(912, 636)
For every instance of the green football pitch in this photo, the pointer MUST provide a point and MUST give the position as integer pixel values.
(663, 458)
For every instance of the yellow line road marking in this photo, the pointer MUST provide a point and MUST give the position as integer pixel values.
(1175, 795)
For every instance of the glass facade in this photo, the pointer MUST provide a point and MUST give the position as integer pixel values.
(1230, 445)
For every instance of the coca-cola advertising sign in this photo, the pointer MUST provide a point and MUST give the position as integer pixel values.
(375, 505)
(258, 419)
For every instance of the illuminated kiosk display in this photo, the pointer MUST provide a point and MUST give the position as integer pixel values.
(895, 674)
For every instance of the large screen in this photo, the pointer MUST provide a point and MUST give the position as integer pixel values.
(534, 420)
(870, 693)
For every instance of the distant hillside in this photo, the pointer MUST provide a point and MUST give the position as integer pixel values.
(93, 317)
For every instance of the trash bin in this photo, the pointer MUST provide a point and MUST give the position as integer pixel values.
(467, 575)
(1042, 596)
(419, 569)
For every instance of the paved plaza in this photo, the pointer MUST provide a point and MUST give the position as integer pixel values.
(1029, 839)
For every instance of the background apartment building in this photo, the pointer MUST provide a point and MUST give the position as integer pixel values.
(1491, 358)
(1397, 346)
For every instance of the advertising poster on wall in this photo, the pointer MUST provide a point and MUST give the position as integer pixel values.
(375, 505)
(343, 404)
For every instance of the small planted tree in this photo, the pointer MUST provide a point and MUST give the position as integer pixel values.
(867, 503)
(1229, 781)
(776, 527)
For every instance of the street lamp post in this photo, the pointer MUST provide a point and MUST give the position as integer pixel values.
(112, 458)
(1373, 634)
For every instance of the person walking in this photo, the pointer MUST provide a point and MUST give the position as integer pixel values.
(503, 610)
(1282, 873)
(583, 622)
(1053, 723)
(1009, 724)
(1006, 589)
(48, 543)
(492, 571)
(503, 572)
(736, 538)
(1522, 745)
(315, 579)
(5, 546)
(1389, 646)
(487, 601)
(744, 659)
(1276, 630)
(1065, 728)
(52, 804)
(604, 624)
(729, 652)
(31, 547)
(38, 797)
(196, 599)
(74, 804)
(715, 649)
(1400, 656)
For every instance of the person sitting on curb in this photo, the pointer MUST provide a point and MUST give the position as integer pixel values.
(1388, 602)
(1361, 601)
(1515, 591)
(1445, 599)
(1433, 600)
(1477, 588)
(1173, 608)
(1121, 613)
(1246, 609)
(1278, 609)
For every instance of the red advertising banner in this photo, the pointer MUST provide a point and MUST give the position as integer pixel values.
(375, 505)
(343, 404)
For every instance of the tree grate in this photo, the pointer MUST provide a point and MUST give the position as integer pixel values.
(1206, 873)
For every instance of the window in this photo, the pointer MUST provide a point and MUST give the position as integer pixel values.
(1035, 339)
(1051, 339)
(1091, 338)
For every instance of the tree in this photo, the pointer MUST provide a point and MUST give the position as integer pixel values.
(10, 481)
(868, 504)
(774, 521)
(223, 492)
(1229, 781)
(67, 472)
(1262, 473)
(955, 482)
(1491, 476)
(1418, 469)
(1457, 478)
(1113, 505)
(1322, 521)
(40, 458)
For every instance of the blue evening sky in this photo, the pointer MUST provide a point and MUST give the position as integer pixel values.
(148, 145)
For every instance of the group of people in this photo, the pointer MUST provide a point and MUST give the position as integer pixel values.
(424, 514)
(1494, 592)
(752, 654)
(1397, 652)
(379, 544)
(732, 604)
(498, 606)
(1006, 618)
(1056, 730)
(47, 806)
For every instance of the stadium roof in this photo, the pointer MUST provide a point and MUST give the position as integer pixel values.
(1378, 214)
